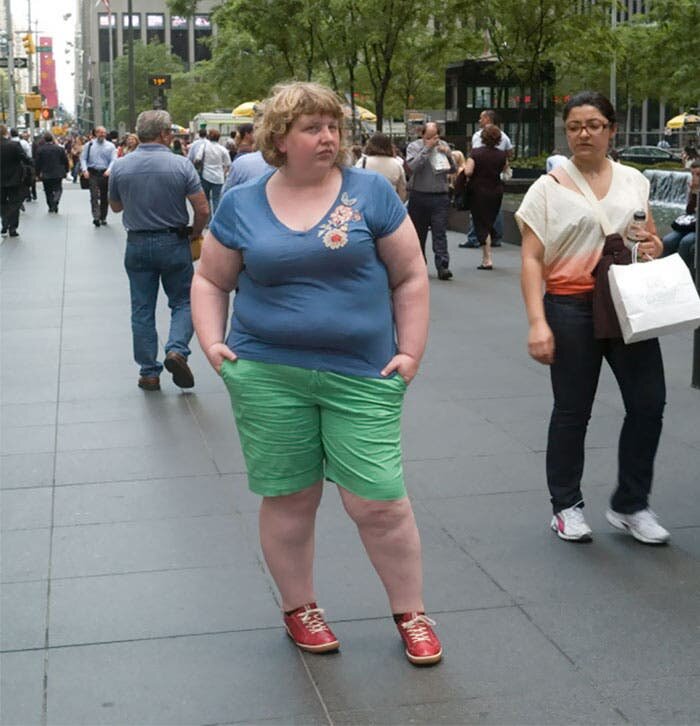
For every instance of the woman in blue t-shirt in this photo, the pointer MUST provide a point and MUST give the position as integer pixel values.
(329, 326)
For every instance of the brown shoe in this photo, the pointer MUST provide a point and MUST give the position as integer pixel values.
(176, 364)
(149, 383)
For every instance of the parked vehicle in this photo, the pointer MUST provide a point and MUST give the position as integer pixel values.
(649, 155)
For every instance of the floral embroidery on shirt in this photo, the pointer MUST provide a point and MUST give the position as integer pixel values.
(335, 230)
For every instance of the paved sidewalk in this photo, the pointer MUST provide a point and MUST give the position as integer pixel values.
(134, 591)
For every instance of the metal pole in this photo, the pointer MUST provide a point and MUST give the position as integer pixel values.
(132, 92)
(111, 68)
(613, 64)
(695, 382)
(30, 67)
(10, 65)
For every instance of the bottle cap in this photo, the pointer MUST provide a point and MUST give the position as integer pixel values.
(640, 214)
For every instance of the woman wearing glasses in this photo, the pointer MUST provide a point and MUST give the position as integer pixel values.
(562, 242)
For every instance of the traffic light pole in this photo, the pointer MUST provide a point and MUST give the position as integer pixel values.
(695, 382)
(10, 66)
(130, 81)
(30, 67)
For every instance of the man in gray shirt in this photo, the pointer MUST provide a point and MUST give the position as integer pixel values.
(151, 185)
(430, 161)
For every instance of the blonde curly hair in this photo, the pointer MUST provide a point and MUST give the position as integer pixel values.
(287, 102)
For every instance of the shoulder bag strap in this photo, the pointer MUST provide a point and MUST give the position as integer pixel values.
(580, 181)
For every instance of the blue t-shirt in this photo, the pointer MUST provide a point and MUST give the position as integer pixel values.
(318, 299)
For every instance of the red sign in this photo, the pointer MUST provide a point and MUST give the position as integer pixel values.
(47, 74)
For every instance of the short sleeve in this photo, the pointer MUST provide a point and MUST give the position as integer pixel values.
(533, 210)
(385, 211)
(113, 185)
(223, 226)
(193, 183)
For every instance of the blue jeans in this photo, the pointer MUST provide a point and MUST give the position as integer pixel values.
(152, 258)
(684, 244)
(430, 211)
(639, 371)
(498, 228)
(213, 194)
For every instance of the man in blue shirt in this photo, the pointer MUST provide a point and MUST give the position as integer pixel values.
(244, 168)
(95, 161)
(151, 185)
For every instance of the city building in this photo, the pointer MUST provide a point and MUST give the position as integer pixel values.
(151, 21)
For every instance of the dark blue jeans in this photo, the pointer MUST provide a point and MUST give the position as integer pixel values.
(152, 258)
(639, 371)
(430, 211)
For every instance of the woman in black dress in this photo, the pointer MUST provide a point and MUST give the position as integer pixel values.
(483, 168)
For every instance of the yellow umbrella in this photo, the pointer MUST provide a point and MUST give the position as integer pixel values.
(683, 120)
(245, 109)
(177, 129)
(362, 113)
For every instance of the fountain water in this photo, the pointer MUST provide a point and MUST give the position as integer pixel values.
(668, 187)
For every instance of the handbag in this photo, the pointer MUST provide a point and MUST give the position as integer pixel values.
(85, 183)
(684, 224)
(199, 161)
(605, 319)
(654, 298)
(462, 192)
(196, 247)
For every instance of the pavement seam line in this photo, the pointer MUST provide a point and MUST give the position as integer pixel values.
(45, 680)
(316, 688)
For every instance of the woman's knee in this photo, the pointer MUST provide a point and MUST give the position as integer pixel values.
(373, 514)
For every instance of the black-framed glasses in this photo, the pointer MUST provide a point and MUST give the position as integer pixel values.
(593, 126)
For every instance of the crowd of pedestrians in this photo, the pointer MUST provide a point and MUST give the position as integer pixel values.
(324, 248)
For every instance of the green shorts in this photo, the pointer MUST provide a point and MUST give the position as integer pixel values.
(298, 426)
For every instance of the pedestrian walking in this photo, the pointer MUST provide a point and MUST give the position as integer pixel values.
(379, 156)
(430, 161)
(326, 264)
(483, 172)
(562, 243)
(15, 166)
(215, 162)
(152, 185)
(96, 158)
(51, 165)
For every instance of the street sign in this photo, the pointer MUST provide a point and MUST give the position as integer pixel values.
(44, 49)
(19, 62)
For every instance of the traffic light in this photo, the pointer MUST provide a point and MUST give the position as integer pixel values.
(28, 40)
(46, 113)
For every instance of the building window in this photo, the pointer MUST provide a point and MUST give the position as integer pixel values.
(155, 28)
(202, 30)
(179, 37)
(482, 97)
(135, 28)
(103, 23)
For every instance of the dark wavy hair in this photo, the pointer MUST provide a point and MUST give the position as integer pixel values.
(491, 135)
(379, 144)
(591, 98)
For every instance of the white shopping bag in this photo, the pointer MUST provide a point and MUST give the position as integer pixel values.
(654, 298)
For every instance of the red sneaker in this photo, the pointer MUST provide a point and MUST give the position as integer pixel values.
(422, 645)
(308, 629)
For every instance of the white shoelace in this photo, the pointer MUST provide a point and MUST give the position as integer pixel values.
(313, 620)
(573, 515)
(417, 628)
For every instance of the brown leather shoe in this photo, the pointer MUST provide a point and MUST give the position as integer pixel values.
(149, 383)
(176, 364)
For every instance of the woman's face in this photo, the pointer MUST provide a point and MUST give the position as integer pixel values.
(588, 132)
(312, 141)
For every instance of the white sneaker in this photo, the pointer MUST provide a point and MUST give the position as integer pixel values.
(570, 525)
(641, 525)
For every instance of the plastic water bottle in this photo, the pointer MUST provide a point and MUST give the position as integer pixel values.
(637, 225)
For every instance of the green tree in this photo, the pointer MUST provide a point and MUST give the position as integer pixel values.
(150, 59)
(196, 91)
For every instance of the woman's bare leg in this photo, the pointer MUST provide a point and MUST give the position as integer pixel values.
(287, 539)
(389, 533)
(486, 258)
